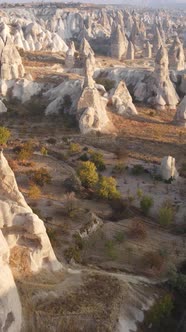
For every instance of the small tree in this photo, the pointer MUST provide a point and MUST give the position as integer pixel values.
(26, 151)
(70, 201)
(107, 188)
(74, 148)
(4, 135)
(44, 151)
(166, 215)
(97, 159)
(88, 174)
(34, 192)
(41, 177)
(146, 204)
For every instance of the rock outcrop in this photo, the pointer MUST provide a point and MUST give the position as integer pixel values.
(22, 229)
(157, 40)
(168, 168)
(122, 101)
(162, 85)
(84, 51)
(176, 55)
(147, 50)
(91, 107)
(3, 108)
(10, 61)
(70, 58)
(130, 51)
(180, 117)
(119, 43)
(10, 306)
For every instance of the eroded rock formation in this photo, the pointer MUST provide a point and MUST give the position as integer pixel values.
(176, 55)
(119, 43)
(168, 168)
(10, 306)
(122, 101)
(91, 107)
(22, 229)
(10, 60)
(180, 117)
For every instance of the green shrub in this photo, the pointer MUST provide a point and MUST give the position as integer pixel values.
(146, 204)
(26, 151)
(166, 215)
(111, 250)
(44, 151)
(4, 135)
(161, 310)
(88, 174)
(34, 192)
(40, 177)
(107, 188)
(137, 170)
(119, 168)
(108, 84)
(73, 253)
(84, 157)
(139, 193)
(97, 159)
(119, 237)
(74, 148)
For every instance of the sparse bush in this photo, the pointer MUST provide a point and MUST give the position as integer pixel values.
(97, 159)
(73, 253)
(88, 174)
(166, 215)
(119, 168)
(110, 249)
(70, 202)
(34, 192)
(160, 311)
(107, 188)
(119, 237)
(51, 140)
(74, 148)
(137, 170)
(4, 135)
(121, 152)
(153, 260)
(26, 151)
(146, 204)
(40, 177)
(139, 193)
(44, 151)
(84, 157)
(120, 209)
(138, 230)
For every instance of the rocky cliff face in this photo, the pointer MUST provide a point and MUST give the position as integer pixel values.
(22, 236)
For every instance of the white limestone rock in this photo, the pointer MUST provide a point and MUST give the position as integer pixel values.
(57, 96)
(3, 108)
(122, 101)
(23, 230)
(119, 43)
(91, 111)
(11, 63)
(130, 51)
(176, 55)
(180, 117)
(92, 225)
(10, 306)
(168, 168)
